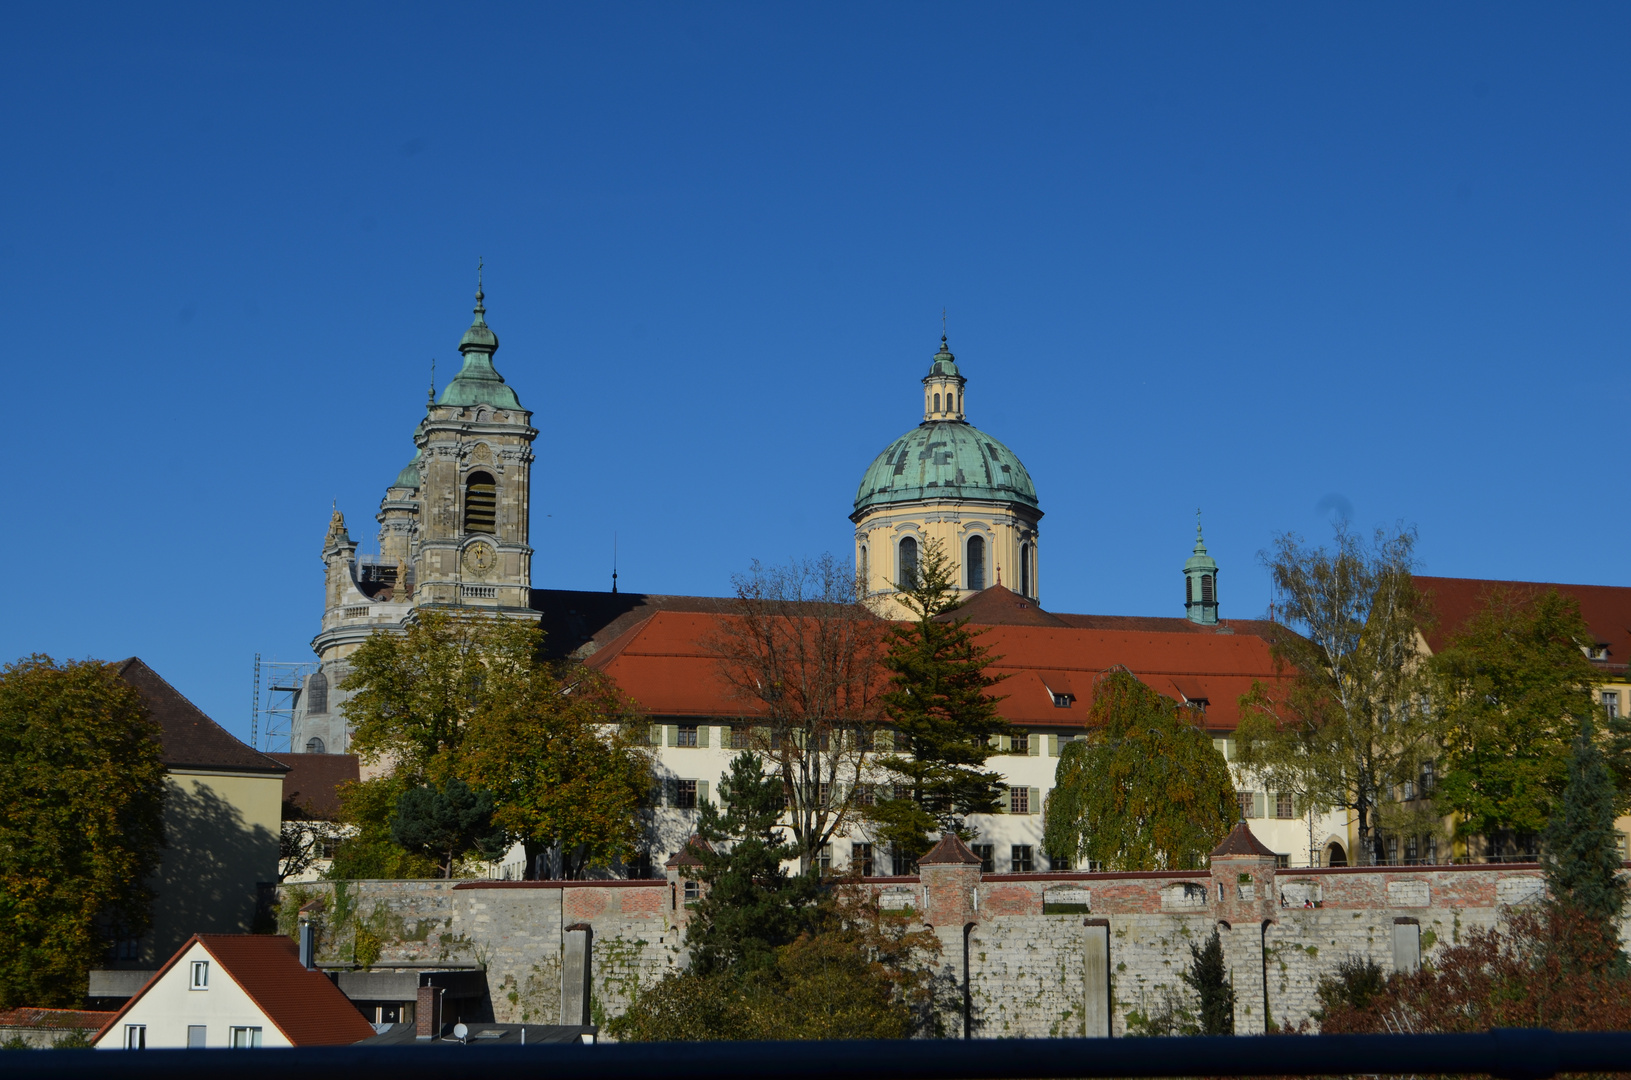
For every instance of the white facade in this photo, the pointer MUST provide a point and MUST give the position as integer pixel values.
(193, 1008)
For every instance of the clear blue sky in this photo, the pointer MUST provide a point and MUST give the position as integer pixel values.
(1269, 260)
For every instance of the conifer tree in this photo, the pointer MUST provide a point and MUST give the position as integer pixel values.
(1582, 852)
(1209, 978)
(944, 718)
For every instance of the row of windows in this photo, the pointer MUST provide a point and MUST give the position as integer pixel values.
(951, 403)
(1208, 589)
(239, 1038)
(975, 574)
(744, 737)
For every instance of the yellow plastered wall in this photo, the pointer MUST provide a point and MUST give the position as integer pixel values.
(1004, 527)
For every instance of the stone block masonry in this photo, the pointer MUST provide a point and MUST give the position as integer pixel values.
(1037, 955)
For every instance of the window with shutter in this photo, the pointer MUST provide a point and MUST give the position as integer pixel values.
(702, 736)
(1035, 800)
(1259, 804)
(480, 503)
(1053, 746)
(702, 792)
(673, 734)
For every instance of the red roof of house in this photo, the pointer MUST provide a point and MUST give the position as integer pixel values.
(191, 739)
(949, 849)
(304, 1005)
(665, 663)
(1241, 841)
(311, 787)
(1606, 609)
(55, 1019)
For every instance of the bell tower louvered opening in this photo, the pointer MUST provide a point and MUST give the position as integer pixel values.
(480, 503)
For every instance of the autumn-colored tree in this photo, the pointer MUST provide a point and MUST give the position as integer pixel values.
(803, 653)
(1354, 720)
(1145, 790)
(1514, 685)
(944, 717)
(564, 764)
(81, 823)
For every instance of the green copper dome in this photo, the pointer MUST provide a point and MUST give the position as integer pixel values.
(478, 382)
(409, 476)
(945, 459)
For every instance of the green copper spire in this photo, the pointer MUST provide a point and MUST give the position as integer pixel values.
(1201, 582)
(478, 382)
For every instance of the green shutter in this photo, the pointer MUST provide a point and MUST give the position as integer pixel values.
(1036, 800)
(885, 741)
(1035, 744)
(673, 735)
(702, 792)
(1002, 800)
(1053, 745)
(656, 735)
(670, 791)
(1258, 804)
(1005, 743)
(702, 735)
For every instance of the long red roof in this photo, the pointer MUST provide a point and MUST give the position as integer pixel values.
(664, 662)
(1606, 609)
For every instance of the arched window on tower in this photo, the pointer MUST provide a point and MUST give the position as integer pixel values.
(976, 563)
(480, 503)
(317, 694)
(864, 568)
(314, 745)
(1189, 589)
(1025, 587)
(1208, 592)
(908, 562)
(937, 403)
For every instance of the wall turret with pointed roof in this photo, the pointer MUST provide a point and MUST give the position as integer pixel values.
(947, 480)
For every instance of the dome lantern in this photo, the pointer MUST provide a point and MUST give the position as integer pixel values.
(1201, 582)
(943, 387)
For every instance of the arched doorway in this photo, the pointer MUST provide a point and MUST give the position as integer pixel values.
(1334, 855)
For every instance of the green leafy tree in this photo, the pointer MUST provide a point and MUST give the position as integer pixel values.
(1514, 686)
(1208, 976)
(1146, 789)
(1582, 856)
(1353, 719)
(81, 823)
(446, 822)
(564, 762)
(944, 717)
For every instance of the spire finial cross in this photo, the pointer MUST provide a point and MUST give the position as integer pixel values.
(942, 326)
(480, 296)
(1197, 522)
(431, 393)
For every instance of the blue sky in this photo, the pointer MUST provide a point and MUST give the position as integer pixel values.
(1268, 260)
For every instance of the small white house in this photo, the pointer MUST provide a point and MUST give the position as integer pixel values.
(235, 990)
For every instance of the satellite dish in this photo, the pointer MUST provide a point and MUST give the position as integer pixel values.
(460, 1031)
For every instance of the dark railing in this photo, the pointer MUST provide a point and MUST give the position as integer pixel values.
(1515, 1053)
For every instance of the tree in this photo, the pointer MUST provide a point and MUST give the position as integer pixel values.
(751, 905)
(1209, 978)
(564, 766)
(1514, 686)
(804, 653)
(1582, 856)
(81, 823)
(303, 843)
(1146, 790)
(446, 822)
(1354, 718)
(944, 718)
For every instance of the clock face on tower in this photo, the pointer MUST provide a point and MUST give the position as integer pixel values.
(480, 557)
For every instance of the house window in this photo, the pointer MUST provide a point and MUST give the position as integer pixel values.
(480, 503)
(1026, 587)
(864, 574)
(866, 795)
(987, 854)
(1412, 851)
(1246, 800)
(738, 738)
(1020, 742)
(865, 740)
(196, 1037)
(860, 858)
(128, 949)
(1021, 858)
(824, 860)
(201, 975)
(246, 1038)
(1611, 703)
(976, 563)
(1393, 851)
(314, 745)
(686, 736)
(135, 1036)
(902, 866)
(1429, 778)
(1284, 805)
(1019, 800)
(908, 562)
(1431, 846)
(1063, 701)
(822, 792)
(693, 892)
(685, 794)
(317, 694)
(1598, 652)
(937, 403)
(1058, 863)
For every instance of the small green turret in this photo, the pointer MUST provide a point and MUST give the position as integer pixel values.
(478, 382)
(1201, 582)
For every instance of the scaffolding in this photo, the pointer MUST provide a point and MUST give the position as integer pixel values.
(278, 686)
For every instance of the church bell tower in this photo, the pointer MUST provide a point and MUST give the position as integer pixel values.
(1201, 582)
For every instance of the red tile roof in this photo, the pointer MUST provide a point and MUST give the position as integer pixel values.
(1241, 841)
(311, 786)
(55, 1019)
(1606, 608)
(664, 663)
(951, 850)
(304, 1005)
(191, 739)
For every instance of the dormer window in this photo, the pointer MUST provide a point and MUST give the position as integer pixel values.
(1598, 652)
(1063, 701)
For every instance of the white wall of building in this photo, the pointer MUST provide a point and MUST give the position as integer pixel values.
(172, 1006)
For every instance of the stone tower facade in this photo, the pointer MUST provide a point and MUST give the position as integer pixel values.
(949, 481)
(453, 532)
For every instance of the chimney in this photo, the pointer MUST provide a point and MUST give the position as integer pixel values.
(427, 1013)
(308, 945)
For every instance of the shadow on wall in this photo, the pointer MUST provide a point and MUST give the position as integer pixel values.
(208, 881)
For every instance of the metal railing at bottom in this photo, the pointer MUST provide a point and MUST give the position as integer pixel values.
(1515, 1053)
